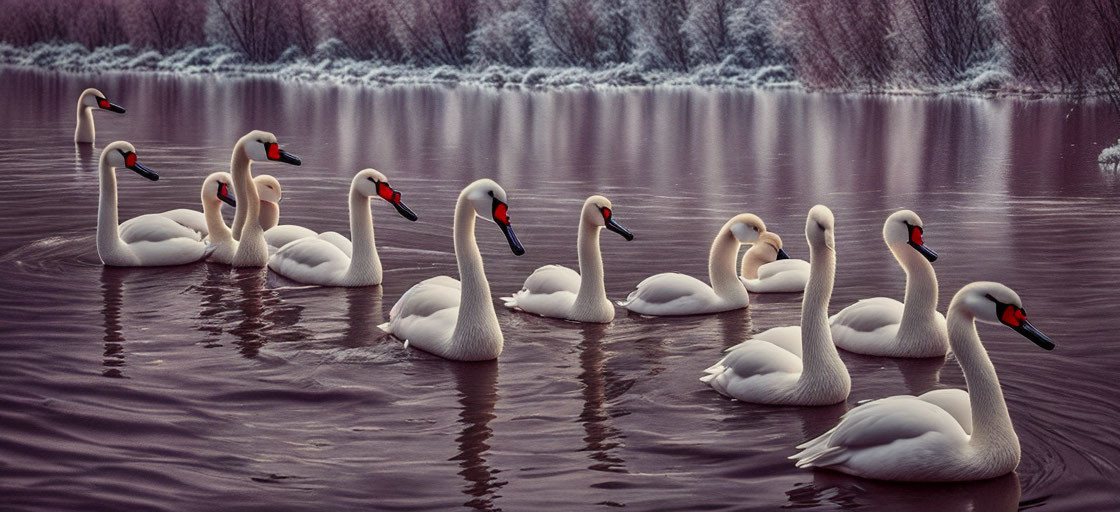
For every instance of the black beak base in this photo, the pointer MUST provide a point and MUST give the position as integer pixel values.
(288, 158)
(1031, 333)
(405, 211)
(511, 237)
(925, 251)
(782, 254)
(618, 228)
(226, 198)
(144, 171)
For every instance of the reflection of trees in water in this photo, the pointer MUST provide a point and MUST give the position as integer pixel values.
(477, 384)
(830, 488)
(112, 282)
(600, 386)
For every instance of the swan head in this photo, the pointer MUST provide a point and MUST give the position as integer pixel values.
(93, 98)
(597, 211)
(745, 227)
(268, 188)
(260, 146)
(372, 183)
(489, 202)
(994, 303)
(769, 247)
(903, 231)
(217, 188)
(123, 154)
(820, 227)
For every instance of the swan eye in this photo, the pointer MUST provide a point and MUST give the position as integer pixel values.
(1008, 314)
(129, 159)
(606, 213)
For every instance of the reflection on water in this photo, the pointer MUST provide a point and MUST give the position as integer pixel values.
(600, 386)
(112, 283)
(834, 489)
(303, 383)
(477, 385)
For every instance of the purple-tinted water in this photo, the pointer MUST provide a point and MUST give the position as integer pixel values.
(197, 387)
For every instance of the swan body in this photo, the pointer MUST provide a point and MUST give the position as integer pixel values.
(316, 260)
(455, 319)
(768, 269)
(197, 221)
(88, 101)
(252, 249)
(931, 438)
(882, 326)
(671, 293)
(559, 292)
(148, 240)
(793, 365)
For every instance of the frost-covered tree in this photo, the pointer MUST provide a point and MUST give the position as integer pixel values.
(97, 23)
(753, 26)
(659, 40)
(568, 33)
(436, 31)
(165, 24)
(34, 22)
(708, 29)
(843, 44)
(365, 28)
(259, 29)
(1107, 25)
(1051, 44)
(504, 34)
(943, 40)
(615, 31)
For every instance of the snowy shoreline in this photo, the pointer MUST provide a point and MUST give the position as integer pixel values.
(221, 61)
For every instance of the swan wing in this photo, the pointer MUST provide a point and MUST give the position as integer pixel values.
(670, 294)
(284, 234)
(153, 228)
(310, 261)
(425, 298)
(548, 291)
(755, 371)
(886, 438)
(782, 276)
(787, 337)
(955, 402)
(336, 239)
(867, 326)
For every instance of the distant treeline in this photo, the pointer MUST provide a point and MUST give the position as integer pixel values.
(1053, 46)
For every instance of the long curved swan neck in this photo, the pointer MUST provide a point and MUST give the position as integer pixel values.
(270, 215)
(751, 263)
(919, 314)
(592, 289)
(241, 211)
(721, 267)
(364, 263)
(84, 131)
(108, 233)
(477, 322)
(823, 370)
(215, 224)
(252, 249)
(991, 424)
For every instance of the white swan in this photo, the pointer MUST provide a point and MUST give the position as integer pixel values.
(944, 435)
(148, 240)
(199, 222)
(318, 261)
(449, 318)
(794, 365)
(90, 99)
(559, 292)
(217, 188)
(768, 269)
(672, 293)
(252, 249)
(882, 326)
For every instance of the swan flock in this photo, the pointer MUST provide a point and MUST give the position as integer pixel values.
(943, 435)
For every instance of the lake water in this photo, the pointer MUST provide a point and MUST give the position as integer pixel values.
(189, 387)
